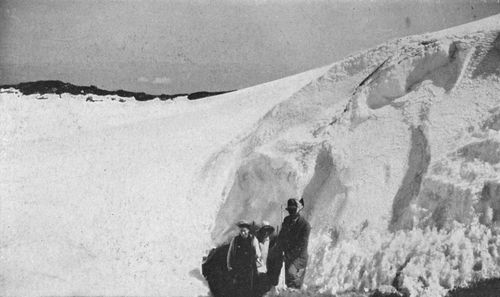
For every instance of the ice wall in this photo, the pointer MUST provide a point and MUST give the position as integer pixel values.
(395, 151)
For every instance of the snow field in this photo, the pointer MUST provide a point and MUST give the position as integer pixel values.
(97, 197)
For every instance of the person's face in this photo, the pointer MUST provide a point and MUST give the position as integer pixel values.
(244, 231)
(292, 210)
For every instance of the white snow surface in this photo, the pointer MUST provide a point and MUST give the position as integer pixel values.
(396, 151)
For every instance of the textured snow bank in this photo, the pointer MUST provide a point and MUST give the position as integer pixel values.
(439, 62)
(400, 141)
(424, 262)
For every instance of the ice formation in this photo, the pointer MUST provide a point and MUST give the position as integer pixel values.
(395, 150)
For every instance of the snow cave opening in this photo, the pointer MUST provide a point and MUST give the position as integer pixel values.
(260, 186)
(263, 184)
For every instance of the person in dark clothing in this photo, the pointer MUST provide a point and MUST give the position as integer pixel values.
(220, 280)
(242, 257)
(293, 240)
(214, 269)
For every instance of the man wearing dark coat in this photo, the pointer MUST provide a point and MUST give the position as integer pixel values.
(293, 240)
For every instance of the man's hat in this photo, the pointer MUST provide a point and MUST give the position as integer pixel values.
(266, 227)
(294, 203)
(243, 224)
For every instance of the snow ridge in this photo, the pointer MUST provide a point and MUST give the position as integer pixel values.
(373, 146)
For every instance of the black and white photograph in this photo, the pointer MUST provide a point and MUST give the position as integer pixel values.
(250, 148)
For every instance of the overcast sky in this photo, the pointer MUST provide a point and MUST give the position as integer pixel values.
(186, 46)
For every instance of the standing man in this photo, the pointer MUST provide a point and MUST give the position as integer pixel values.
(242, 260)
(293, 240)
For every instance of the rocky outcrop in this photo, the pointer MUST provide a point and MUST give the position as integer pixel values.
(58, 87)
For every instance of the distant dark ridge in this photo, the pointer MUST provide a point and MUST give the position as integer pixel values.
(58, 87)
(203, 94)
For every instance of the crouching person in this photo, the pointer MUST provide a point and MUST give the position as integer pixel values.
(241, 261)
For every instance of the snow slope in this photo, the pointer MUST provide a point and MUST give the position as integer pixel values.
(395, 150)
(96, 195)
